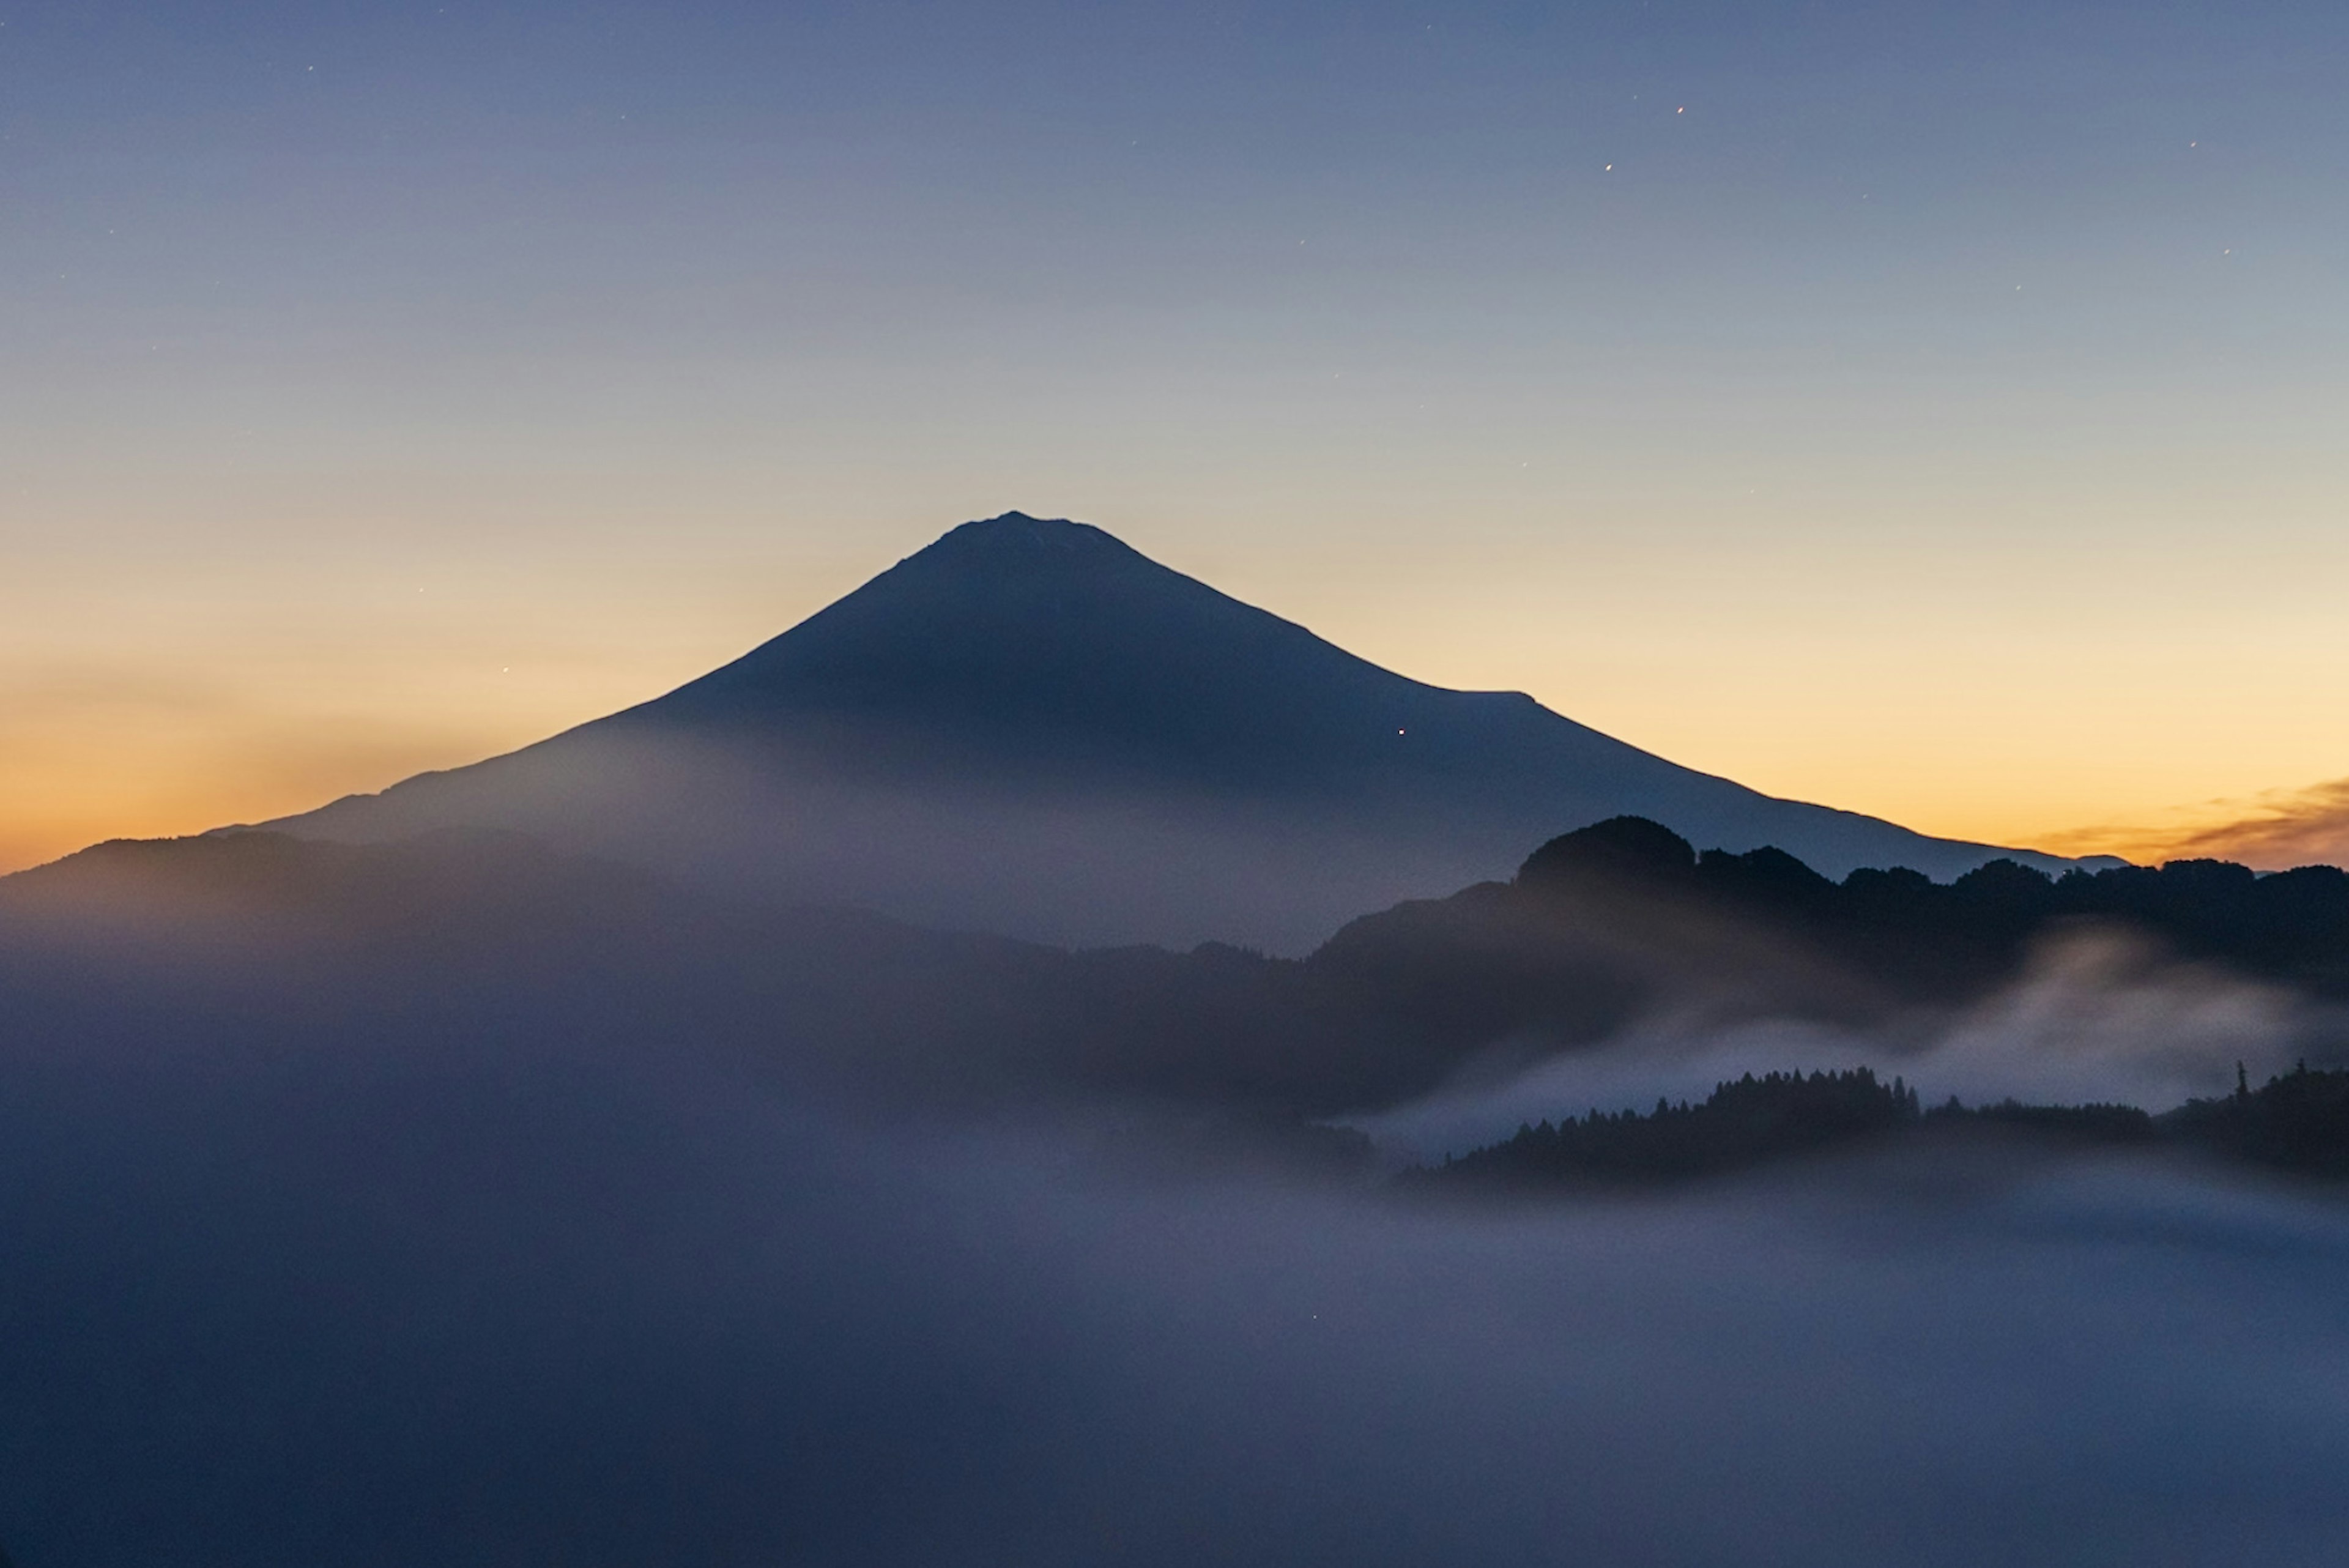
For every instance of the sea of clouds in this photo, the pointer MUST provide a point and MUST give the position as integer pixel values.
(540, 1305)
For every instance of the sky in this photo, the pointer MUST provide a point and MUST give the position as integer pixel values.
(1929, 410)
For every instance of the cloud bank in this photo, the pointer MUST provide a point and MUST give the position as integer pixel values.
(534, 1304)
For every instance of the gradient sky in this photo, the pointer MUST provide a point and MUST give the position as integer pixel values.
(1933, 409)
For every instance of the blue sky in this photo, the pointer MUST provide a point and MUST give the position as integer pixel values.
(1934, 410)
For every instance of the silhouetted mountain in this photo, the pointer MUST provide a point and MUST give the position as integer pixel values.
(1032, 729)
(467, 941)
(1613, 921)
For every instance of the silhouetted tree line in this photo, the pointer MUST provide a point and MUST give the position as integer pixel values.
(2297, 1122)
(2288, 924)
(2095, 1123)
(1742, 1123)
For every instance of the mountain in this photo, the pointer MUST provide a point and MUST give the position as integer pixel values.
(480, 946)
(1032, 729)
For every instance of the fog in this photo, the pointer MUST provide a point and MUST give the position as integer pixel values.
(1108, 863)
(465, 1206)
(538, 1306)
(2096, 1016)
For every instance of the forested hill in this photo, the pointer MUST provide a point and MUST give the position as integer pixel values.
(2297, 1122)
(1625, 920)
(2291, 925)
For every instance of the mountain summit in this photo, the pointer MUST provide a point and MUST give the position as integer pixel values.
(1052, 652)
(1031, 727)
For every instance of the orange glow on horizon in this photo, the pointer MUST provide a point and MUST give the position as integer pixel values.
(1932, 688)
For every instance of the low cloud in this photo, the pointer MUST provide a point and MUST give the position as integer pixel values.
(2094, 1016)
(613, 1312)
(484, 1271)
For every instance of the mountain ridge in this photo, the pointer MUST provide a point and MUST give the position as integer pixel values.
(1604, 935)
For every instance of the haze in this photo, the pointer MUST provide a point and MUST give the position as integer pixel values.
(458, 1204)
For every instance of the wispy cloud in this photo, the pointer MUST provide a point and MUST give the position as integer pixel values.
(2273, 831)
(2295, 827)
(2094, 1016)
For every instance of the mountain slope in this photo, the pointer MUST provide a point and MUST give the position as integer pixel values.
(1029, 727)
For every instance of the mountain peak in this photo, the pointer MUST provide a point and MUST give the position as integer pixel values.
(1017, 525)
(1014, 626)
(1015, 540)
(1031, 727)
